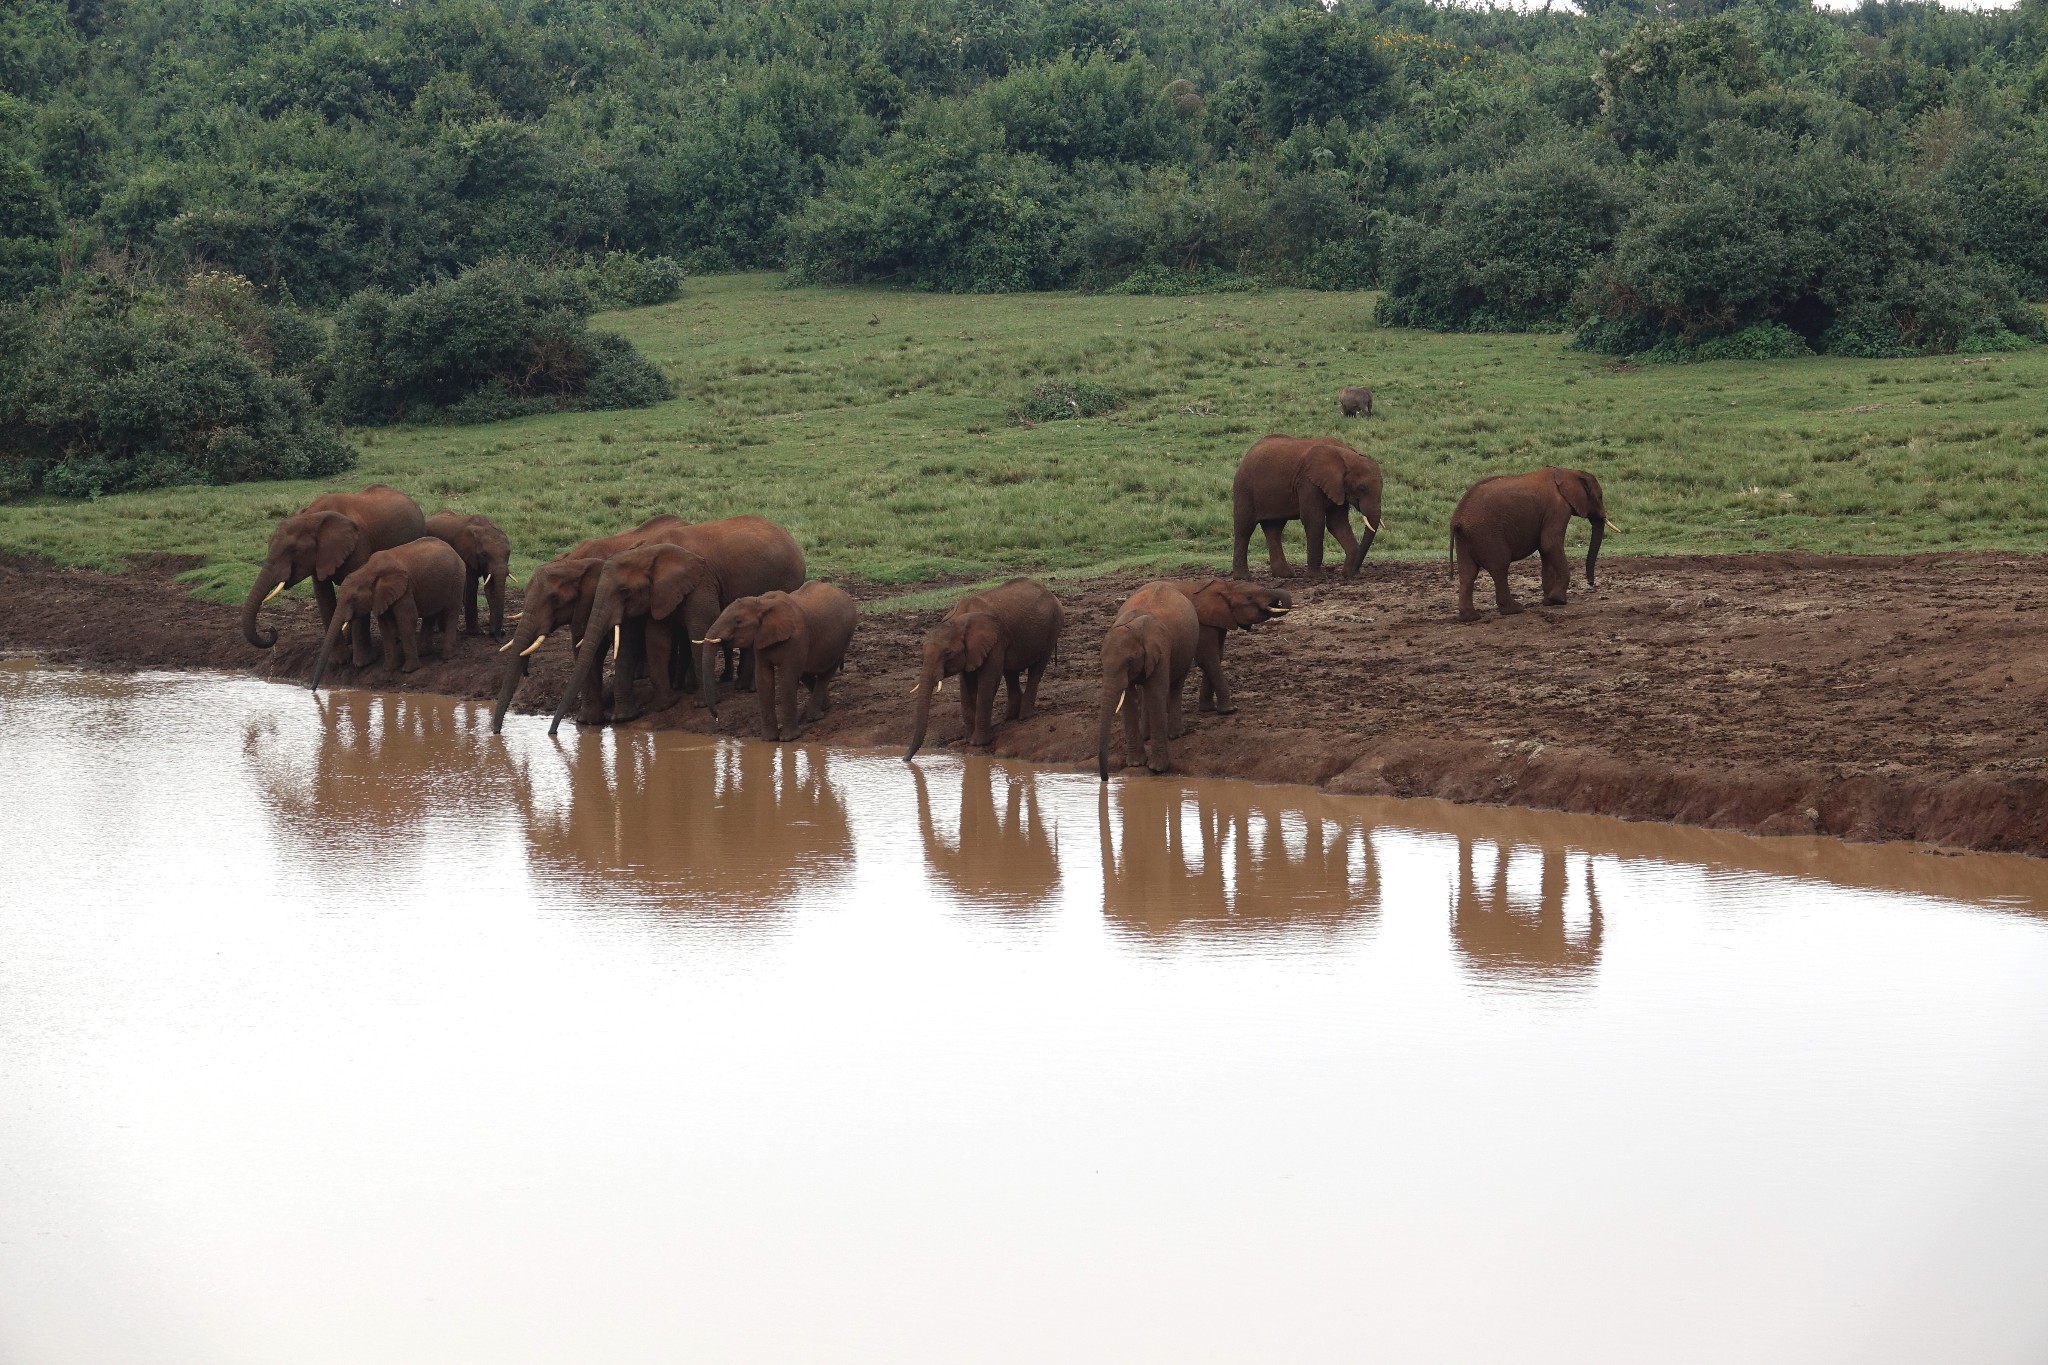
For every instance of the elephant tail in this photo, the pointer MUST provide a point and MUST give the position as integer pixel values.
(1454, 554)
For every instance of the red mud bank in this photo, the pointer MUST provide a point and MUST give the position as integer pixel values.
(1864, 697)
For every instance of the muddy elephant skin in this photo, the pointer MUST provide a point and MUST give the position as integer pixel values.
(486, 557)
(1223, 606)
(1315, 482)
(1145, 658)
(1355, 400)
(1512, 516)
(326, 542)
(1009, 633)
(412, 589)
(795, 637)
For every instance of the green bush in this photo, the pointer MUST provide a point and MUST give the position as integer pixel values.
(501, 340)
(621, 279)
(1163, 279)
(1058, 400)
(103, 389)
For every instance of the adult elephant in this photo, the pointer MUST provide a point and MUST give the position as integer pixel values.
(486, 557)
(685, 581)
(1223, 606)
(1512, 516)
(1316, 482)
(327, 541)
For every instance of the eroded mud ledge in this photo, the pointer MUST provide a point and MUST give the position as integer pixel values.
(1864, 697)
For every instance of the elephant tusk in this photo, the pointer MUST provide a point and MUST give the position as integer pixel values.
(616, 636)
(507, 645)
(275, 591)
(1278, 611)
(539, 640)
(486, 580)
(1612, 527)
(515, 616)
(1119, 704)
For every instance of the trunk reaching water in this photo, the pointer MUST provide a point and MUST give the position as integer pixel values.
(597, 637)
(266, 583)
(1110, 692)
(707, 669)
(1593, 550)
(926, 681)
(327, 645)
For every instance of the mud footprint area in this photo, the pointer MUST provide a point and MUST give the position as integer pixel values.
(1866, 697)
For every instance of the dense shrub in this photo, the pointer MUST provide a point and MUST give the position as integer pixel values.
(501, 340)
(1507, 247)
(1162, 279)
(621, 279)
(103, 390)
(1057, 400)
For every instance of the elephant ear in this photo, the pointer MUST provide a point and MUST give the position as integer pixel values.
(778, 622)
(385, 592)
(586, 595)
(675, 577)
(1156, 659)
(1323, 466)
(333, 543)
(1571, 485)
(983, 639)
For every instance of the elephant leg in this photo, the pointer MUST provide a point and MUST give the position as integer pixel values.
(1013, 685)
(323, 593)
(982, 726)
(728, 668)
(406, 617)
(1031, 677)
(1503, 600)
(1313, 518)
(1134, 725)
(661, 648)
(471, 581)
(1159, 706)
(771, 725)
(1213, 692)
(626, 665)
(821, 695)
(1276, 556)
(1241, 544)
(743, 678)
(495, 595)
(590, 707)
(1468, 574)
(1340, 527)
(785, 679)
(1557, 575)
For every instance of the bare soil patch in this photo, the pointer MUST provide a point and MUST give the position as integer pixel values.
(1860, 696)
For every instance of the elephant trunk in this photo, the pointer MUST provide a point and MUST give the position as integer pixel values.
(1112, 689)
(515, 670)
(1365, 539)
(1599, 520)
(707, 670)
(597, 637)
(267, 584)
(334, 627)
(494, 595)
(927, 683)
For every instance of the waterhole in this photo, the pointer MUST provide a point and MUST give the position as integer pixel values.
(340, 1030)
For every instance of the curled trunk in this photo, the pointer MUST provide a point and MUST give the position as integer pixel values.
(926, 682)
(597, 636)
(334, 627)
(1593, 550)
(267, 582)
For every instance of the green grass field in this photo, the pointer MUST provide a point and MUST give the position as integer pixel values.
(876, 426)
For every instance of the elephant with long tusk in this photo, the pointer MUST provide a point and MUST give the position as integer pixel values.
(1512, 516)
(1316, 482)
(327, 541)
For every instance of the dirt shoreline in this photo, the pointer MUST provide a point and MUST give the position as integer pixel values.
(1865, 697)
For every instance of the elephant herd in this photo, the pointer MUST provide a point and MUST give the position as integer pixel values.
(688, 605)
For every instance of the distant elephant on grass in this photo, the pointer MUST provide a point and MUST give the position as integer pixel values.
(1223, 606)
(1145, 659)
(1286, 478)
(326, 542)
(409, 591)
(486, 556)
(1512, 516)
(796, 637)
(1356, 400)
(1009, 631)
(681, 583)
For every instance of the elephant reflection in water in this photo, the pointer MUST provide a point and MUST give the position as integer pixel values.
(1007, 857)
(384, 767)
(1260, 860)
(680, 823)
(1513, 941)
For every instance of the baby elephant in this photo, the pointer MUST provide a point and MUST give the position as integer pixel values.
(486, 555)
(1223, 606)
(1356, 400)
(1145, 659)
(1512, 516)
(402, 589)
(1006, 632)
(795, 636)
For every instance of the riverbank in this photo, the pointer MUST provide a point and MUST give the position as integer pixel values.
(1864, 697)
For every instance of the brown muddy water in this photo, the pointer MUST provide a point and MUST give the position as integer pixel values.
(341, 1030)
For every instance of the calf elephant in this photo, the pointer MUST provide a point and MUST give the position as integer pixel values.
(1004, 633)
(683, 581)
(1223, 606)
(1512, 516)
(1285, 478)
(796, 637)
(326, 542)
(412, 588)
(486, 555)
(1145, 659)
(1355, 400)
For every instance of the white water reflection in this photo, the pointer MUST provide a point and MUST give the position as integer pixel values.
(343, 1031)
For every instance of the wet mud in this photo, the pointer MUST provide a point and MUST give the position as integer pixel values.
(1869, 698)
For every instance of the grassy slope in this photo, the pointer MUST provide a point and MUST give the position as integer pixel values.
(874, 425)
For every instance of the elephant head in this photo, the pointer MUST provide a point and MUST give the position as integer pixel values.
(747, 623)
(958, 644)
(1132, 651)
(1346, 478)
(364, 596)
(1581, 493)
(652, 581)
(307, 545)
(558, 593)
(1224, 604)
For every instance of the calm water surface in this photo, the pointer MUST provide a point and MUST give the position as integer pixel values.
(344, 1031)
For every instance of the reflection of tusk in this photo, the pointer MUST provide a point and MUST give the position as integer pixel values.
(1612, 527)
(275, 591)
(509, 643)
(538, 641)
